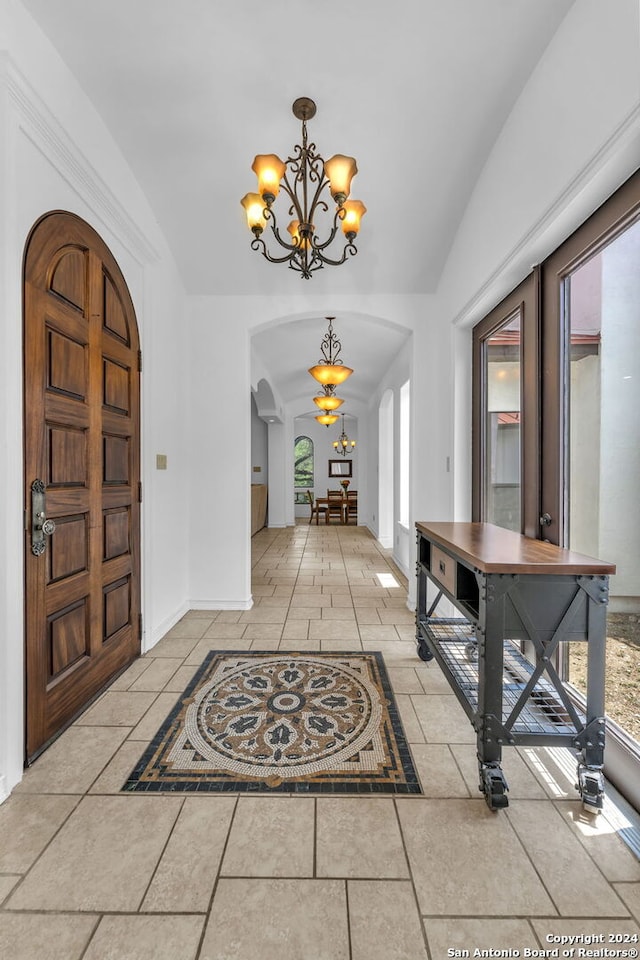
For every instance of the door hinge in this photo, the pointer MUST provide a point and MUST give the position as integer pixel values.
(139, 491)
(139, 361)
(26, 519)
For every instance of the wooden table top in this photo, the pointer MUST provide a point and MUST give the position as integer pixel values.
(492, 549)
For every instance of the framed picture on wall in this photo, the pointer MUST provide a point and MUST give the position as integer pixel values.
(340, 468)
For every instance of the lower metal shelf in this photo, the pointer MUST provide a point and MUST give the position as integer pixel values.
(542, 713)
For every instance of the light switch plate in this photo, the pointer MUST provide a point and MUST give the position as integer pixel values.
(161, 461)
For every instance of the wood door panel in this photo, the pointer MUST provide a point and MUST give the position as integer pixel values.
(82, 423)
(116, 537)
(116, 460)
(69, 277)
(68, 548)
(67, 365)
(117, 386)
(67, 456)
(115, 320)
(68, 637)
(117, 607)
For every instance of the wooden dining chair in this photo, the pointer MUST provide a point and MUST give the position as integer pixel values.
(317, 509)
(352, 505)
(336, 505)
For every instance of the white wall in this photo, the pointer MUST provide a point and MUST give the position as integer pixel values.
(56, 154)
(259, 446)
(572, 138)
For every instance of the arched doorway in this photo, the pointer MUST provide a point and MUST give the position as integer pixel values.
(82, 473)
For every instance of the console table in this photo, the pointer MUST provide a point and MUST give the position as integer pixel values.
(519, 600)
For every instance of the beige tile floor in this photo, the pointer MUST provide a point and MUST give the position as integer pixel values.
(88, 873)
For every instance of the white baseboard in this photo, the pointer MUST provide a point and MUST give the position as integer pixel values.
(150, 640)
(245, 604)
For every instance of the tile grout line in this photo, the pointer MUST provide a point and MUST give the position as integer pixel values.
(162, 853)
(411, 878)
(207, 914)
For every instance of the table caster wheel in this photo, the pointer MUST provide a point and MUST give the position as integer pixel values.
(590, 785)
(494, 786)
(471, 651)
(424, 653)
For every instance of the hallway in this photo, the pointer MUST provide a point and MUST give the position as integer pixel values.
(88, 873)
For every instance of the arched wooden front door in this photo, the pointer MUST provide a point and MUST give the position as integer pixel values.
(82, 471)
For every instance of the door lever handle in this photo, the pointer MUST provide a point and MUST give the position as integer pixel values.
(40, 526)
(546, 519)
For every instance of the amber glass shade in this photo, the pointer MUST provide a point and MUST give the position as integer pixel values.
(340, 171)
(327, 418)
(269, 170)
(254, 208)
(328, 402)
(354, 211)
(330, 373)
(302, 242)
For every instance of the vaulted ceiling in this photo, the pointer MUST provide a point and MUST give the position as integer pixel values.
(416, 90)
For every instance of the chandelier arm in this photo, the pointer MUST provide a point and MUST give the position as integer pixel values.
(317, 201)
(321, 246)
(293, 195)
(349, 248)
(270, 215)
(259, 245)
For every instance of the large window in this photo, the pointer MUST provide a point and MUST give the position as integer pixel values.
(303, 462)
(569, 397)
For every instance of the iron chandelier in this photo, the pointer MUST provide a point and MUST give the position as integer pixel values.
(343, 445)
(304, 177)
(329, 372)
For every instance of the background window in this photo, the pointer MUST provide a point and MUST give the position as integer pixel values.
(303, 462)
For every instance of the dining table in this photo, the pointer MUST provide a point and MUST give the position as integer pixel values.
(323, 502)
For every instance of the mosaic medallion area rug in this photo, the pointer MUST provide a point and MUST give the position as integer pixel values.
(282, 722)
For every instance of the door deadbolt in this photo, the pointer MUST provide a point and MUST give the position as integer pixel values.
(546, 519)
(40, 526)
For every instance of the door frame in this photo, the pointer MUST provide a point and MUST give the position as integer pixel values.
(79, 231)
(525, 299)
(608, 221)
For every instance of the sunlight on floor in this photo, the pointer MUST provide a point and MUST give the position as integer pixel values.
(387, 580)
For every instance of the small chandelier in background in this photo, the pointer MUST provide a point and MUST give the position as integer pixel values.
(343, 445)
(304, 177)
